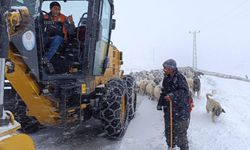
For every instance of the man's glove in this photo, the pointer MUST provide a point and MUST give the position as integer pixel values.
(169, 97)
(159, 107)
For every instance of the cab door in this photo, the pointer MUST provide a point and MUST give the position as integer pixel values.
(104, 31)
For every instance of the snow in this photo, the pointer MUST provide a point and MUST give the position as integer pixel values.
(231, 131)
(145, 132)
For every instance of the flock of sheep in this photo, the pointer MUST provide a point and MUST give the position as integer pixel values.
(150, 82)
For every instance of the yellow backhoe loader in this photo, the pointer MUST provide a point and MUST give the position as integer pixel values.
(84, 78)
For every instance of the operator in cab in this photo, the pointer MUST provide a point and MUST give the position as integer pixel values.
(57, 28)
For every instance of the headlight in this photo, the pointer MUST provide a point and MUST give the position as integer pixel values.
(28, 40)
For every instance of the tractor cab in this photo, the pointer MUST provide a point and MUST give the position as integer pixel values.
(84, 49)
(68, 57)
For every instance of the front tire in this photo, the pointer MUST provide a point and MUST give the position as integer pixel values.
(114, 112)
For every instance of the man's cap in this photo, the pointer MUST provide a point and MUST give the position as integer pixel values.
(170, 63)
(52, 4)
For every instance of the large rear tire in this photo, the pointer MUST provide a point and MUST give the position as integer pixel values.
(114, 112)
(132, 95)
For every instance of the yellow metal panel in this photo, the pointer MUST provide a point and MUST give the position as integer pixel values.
(114, 67)
(27, 88)
(15, 142)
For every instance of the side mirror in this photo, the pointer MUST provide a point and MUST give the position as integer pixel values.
(113, 24)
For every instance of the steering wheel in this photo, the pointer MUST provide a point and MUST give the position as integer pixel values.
(44, 13)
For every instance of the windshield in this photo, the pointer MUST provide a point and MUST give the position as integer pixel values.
(74, 8)
(105, 22)
(103, 40)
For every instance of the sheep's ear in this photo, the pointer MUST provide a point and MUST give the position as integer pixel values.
(223, 110)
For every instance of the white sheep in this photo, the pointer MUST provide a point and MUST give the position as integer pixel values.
(189, 74)
(157, 92)
(190, 83)
(142, 86)
(150, 89)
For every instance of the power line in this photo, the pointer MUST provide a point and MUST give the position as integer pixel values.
(226, 14)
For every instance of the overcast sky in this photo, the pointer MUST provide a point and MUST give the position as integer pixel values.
(149, 32)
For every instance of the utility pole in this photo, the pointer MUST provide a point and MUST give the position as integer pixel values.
(194, 49)
(153, 57)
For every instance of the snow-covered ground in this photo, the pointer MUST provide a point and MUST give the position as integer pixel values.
(231, 131)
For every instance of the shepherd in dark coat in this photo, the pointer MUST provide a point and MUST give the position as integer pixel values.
(175, 89)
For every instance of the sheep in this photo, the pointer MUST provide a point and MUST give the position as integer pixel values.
(196, 86)
(190, 83)
(142, 86)
(157, 92)
(150, 89)
(189, 74)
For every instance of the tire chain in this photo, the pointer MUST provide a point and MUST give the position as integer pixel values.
(131, 85)
(110, 113)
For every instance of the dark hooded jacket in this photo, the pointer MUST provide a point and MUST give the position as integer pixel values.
(177, 88)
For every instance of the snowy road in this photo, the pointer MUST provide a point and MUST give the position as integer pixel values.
(87, 137)
(230, 132)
